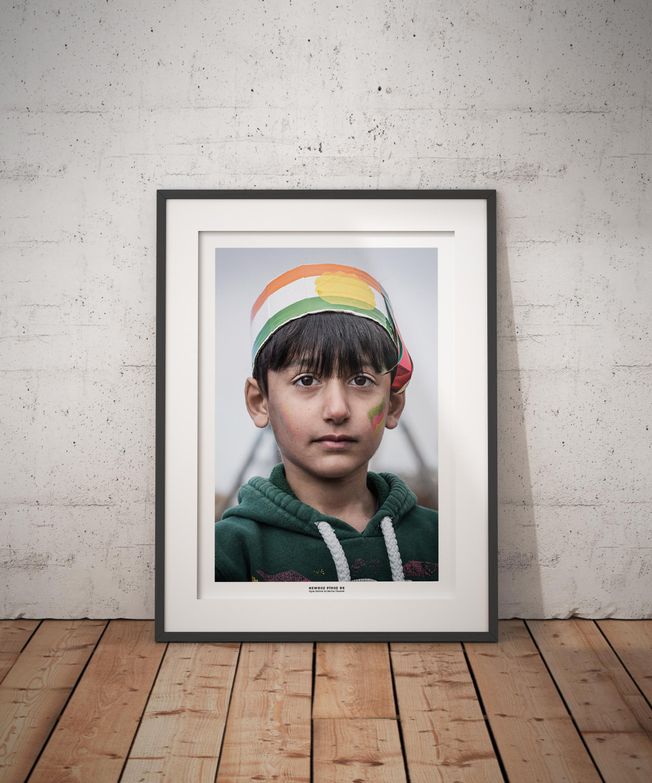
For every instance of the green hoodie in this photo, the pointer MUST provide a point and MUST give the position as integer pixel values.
(271, 536)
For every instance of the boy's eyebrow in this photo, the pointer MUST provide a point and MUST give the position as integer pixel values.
(301, 366)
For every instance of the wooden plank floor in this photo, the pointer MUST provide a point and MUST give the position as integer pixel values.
(553, 700)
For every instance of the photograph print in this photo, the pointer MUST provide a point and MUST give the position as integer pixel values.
(326, 456)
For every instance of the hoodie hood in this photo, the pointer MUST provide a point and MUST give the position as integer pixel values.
(271, 502)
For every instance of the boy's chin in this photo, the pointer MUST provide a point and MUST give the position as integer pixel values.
(335, 467)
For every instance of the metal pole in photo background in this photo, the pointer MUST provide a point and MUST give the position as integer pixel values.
(426, 488)
(222, 502)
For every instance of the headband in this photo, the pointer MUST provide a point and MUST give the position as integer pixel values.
(319, 288)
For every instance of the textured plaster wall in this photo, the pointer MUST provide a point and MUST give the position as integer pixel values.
(102, 103)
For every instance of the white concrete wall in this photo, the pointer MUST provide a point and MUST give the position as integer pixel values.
(102, 103)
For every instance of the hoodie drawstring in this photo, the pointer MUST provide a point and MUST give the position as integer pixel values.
(337, 553)
(395, 562)
(339, 558)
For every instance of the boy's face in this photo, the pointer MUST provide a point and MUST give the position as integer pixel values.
(326, 427)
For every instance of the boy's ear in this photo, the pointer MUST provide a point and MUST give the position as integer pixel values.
(396, 405)
(256, 403)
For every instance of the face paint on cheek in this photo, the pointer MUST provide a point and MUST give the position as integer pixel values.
(377, 415)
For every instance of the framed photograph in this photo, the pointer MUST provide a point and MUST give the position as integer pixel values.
(326, 416)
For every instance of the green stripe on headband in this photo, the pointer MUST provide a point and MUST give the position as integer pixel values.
(317, 305)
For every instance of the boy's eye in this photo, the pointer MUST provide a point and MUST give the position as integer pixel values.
(305, 380)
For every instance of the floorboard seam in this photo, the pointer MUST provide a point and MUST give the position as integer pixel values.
(398, 715)
(485, 716)
(564, 702)
(140, 719)
(70, 695)
(312, 705)
(228, 711)
(34, 630)
(622, 663)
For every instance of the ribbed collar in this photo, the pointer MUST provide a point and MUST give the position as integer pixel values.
(272, 501)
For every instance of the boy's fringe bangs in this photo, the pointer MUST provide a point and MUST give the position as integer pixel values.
(326, 344)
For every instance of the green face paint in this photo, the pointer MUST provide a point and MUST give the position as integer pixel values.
(377, 415)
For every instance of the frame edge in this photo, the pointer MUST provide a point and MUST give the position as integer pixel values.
(161, 635)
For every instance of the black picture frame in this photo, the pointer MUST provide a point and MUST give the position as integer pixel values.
(484, 202)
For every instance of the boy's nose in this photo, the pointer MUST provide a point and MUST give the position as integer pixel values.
(336, 407)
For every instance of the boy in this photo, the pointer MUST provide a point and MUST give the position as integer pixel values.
(329, 374)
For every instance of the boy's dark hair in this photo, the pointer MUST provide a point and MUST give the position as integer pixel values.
(324, 343)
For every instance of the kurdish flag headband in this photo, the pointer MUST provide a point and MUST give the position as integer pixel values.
(319, 288)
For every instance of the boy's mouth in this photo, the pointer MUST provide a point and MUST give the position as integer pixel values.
(333, 439)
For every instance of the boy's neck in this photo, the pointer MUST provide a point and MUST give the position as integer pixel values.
(348, 498)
